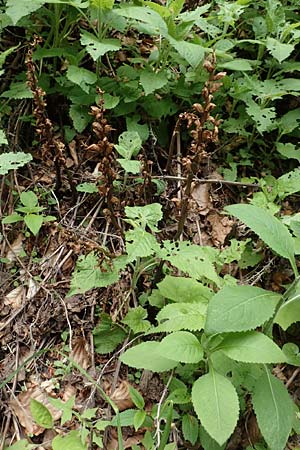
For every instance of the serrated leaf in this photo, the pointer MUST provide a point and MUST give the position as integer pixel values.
(288, 150)
(16, 10)
(23, 444)
(289, 183)
(251, 347)
(130, 166)
(151, 81)
(151, 21)
(41, 414)
(29, 199)
(80, 117)
(268, 228)
(97, 48)
(207, 442)
(279, 50)
(143, 216)
(181, 346)
(135, 319)
(216, 403)
(289, 312)
(12, 161)
(65, 407)
(146, 356)
(33, 222)
(263, 117)
(190, 428)
(240, 308)
(107, 336)
(17, 91)
(129, 144)
(71, 441)
(3, 141)
(180, 316)
(240, 64)
(12, 218)
(89, 188)
(274, 410)
(140, 244)
(181, 289)
(82, 77)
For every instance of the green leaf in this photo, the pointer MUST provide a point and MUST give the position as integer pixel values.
(12, 161)
(263, 117)
(71, 441)
(65, 407)
(17, 9)
(240, 64)
(292, 354)
(240, 308)
(89, 188)
(192, 53)
(289, 183)
(268, 228)
(136, 397)
(3, 140)
(207, 442)
(289, 312)
(17, 91)
(102, 4)
(151, 21)
(274, 410)
(12, 218)
(251, 347)
(181, 289)
(288, 150)
(135, 319)
(129, 145)
(180, 316)
(82, 77)
(107, 336)
(143, 216)
(20, 445)
(127, 419)
(41, 414)
(146, 356)
(190, 428)
(97, 48)
(139, 419)
(130, 166)
(216, 403)
(279, 50)
(80, 117)
(110, 101)
(181, 346)
(151, 81)
(140, 244)
(33, 222)
(29, 199)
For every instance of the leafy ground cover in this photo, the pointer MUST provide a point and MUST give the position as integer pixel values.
(150, 233)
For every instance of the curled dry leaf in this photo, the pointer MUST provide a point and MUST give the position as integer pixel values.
(200, 193)
(221, 226)
(81, 353)
(15, 297)
(21, 407)
(33, 288)
(121, 396)
(127, 443)
(15, 249)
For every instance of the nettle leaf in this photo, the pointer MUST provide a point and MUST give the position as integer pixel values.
(12, 218)
(289, 312)
(146, 356)
(192, 53)
(98, 48)
(240, 64)
(151, 81)
(82, 77)
(12, 161)
(190, 428)
(274, 410)
(289, 121)
(135, 319)
(71, 441)
(89, 275)
(207, 442)
(140, 244)
(130, 166)
(181, 289)
(3, 140)
(80, 117)
(23, 444)
(279, 50)
(216, 403)
(289, 183)
(288, 150)
(89, 188)
(181, 316)
(29, 199)
(152, 22)
(107, 335)
(148, 215)
(33, 222)
(18, 9)
(181, 346)
(41, 414)
(240, 308)
(18, 91)
(263, 117)
(268, 228)
(251, 347)
(129, 144)
(195, 260)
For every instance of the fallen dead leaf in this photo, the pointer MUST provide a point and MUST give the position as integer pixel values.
(15, 249)
(81, 353)
(200, 193)
(127, 443)
(15, 297)
(221, 226)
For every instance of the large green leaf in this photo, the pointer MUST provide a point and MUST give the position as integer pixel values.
(34, 222)
(279, 50)
(251, 347)
(274, 410)
(239, 308)
(289, 312)
(181, 289)
(181, 316)
(268, 228)
(82, 77)
(97, 48)
(71, 441)
(216, 403)
(151, 81)
(11, 160)
(181, 346)
(41, 414)
(146, 356)
(192, 53)
(151, 21)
